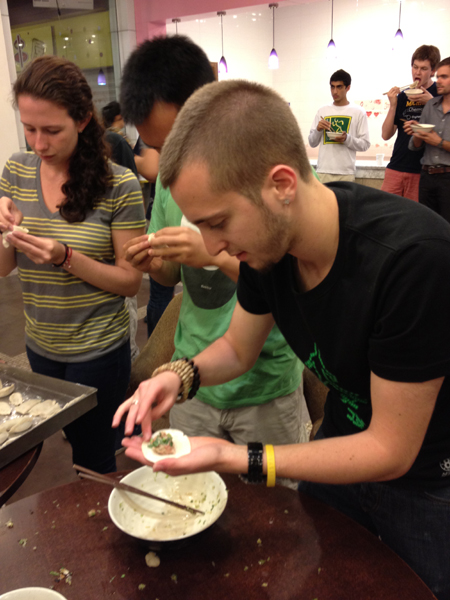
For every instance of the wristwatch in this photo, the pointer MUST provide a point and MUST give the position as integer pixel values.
(441, 143)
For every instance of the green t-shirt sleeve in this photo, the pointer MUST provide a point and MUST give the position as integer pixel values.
(158, 218)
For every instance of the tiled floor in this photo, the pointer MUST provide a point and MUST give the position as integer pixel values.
(54, 466)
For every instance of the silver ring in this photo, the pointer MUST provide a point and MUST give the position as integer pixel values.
(135, 401)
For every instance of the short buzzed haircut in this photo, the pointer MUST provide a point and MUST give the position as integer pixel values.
(430, 53)
(239, 130)
(164, 69)
(343, 76)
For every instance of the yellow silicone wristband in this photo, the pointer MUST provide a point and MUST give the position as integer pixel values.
(271, 474)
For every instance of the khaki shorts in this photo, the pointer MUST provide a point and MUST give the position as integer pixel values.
(284, 420)
(328, 177)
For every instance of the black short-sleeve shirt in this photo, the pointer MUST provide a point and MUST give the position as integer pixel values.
(383, 307)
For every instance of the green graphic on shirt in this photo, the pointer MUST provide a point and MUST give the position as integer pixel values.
(339, 124)
(352, 400)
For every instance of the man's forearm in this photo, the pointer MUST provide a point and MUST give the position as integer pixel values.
(388, 128)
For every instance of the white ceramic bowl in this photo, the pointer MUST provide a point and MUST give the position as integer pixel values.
(32, 593)
(150, 520)
(413, 92)
(422, 128)
(332, 135)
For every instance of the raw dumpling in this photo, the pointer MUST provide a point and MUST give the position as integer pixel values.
(15, 228)
(5, 408)
(22, 409)
(45, 409)
(3, 437)
(16, 398)
(181, 445)
(21, 425)
(6, 425)
(7, 390)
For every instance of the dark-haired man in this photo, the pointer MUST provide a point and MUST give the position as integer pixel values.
(337, 154)
(268, 401)
(403, 170)
(434, 186)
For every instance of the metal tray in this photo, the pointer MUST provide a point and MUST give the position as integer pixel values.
(74, 398)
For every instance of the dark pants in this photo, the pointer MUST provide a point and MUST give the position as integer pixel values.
(414, 523)
(160, 296)
(91, 435)
(434, 192)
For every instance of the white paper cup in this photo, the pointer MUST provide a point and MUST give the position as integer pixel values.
(379, 159)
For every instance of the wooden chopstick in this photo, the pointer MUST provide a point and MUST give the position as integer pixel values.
(404, 87)
(99, 478)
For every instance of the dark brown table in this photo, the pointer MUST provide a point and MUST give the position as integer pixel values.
(269, 543)
(14, 474)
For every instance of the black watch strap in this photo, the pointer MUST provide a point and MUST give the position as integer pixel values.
(255, 463)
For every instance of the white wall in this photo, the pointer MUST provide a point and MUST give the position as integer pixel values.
(363, 32)
(9, 138)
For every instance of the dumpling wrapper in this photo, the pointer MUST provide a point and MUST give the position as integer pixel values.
(6, 425)
(16, 398)
(21, 425)
(180, 441)
(15, 228)
(22, 409)
(46, 408)
(7, 390)
(5, 408)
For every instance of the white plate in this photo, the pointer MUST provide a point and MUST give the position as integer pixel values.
(32, 593)
(148, 519)
(180, 441)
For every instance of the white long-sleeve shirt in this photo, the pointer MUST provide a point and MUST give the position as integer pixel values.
(334, 157)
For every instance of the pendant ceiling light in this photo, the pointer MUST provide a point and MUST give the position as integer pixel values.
(331, 49)
(273, 58)
(398, 38)
(101, 78)
(223, 63)
(176, 21)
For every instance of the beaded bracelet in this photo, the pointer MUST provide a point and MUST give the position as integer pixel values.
(187, 372)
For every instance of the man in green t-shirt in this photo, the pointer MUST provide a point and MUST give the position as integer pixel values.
(267, 402)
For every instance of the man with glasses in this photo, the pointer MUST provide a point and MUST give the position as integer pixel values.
(403, 171)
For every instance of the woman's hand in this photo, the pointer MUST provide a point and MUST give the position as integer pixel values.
(207, 454)
(10, 215)
(42, 251)
(153, 398)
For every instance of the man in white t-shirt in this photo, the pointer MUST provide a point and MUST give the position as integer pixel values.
(337, 153)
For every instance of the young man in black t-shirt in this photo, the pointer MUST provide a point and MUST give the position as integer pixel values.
(358, 281)
(403, 171)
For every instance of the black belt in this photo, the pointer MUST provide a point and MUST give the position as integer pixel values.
(432, 170)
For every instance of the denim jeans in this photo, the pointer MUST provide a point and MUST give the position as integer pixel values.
(91, 436)
(413, 523)
(160, 296)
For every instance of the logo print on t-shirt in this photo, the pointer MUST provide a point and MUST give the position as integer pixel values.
(339, 124)
(445, 466)
(352, 400)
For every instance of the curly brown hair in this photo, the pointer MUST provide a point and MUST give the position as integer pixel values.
(60, 81)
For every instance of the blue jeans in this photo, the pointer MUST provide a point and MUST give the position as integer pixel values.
(413, 523)
(160, 296)
(91, 436)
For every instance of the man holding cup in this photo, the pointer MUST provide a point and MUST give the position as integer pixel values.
(340, 130)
